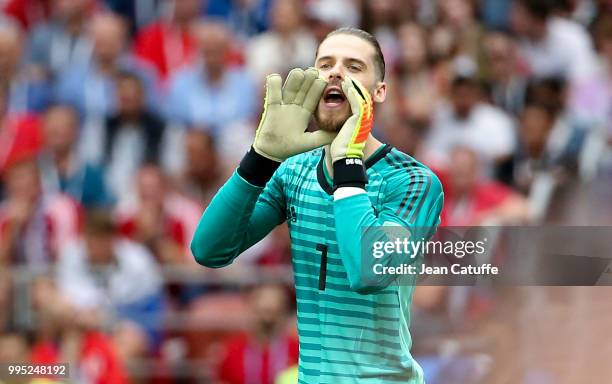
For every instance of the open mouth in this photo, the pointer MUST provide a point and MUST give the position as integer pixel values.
(333, 97)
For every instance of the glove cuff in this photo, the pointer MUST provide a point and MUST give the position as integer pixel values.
(257, 169)
(349, 172)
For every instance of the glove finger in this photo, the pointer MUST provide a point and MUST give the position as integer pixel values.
(366, 96)
(314, 94)
(273, 89)
(292, 85)
(351, 94)
(363, 92)
(309, 77)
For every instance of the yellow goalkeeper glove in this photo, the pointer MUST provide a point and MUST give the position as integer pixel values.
(347, 148)
(287, 111)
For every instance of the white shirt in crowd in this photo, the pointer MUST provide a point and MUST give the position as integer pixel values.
(133, 277)
(566, 50)
(488, 130)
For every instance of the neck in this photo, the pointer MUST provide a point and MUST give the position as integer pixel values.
(74, 25)
(62, 161)
(263, 335)
(182, 22)
(131, 116)
(372, 144)
(539, 33)
(214, 76)
(106, 67)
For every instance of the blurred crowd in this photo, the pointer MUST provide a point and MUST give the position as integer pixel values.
(119, 120)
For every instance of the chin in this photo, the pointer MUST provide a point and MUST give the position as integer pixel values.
(331, 122)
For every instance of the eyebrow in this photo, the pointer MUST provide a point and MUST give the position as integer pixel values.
(350, 59)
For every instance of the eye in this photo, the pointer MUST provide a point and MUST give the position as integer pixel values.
(354, 68)
(324, 66)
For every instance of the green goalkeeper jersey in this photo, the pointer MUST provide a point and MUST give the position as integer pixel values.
(353, 325)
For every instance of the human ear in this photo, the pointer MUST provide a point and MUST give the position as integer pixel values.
(380, 92)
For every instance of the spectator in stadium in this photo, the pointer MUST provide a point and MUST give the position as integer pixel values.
(551, 45)
(418, 89)
(502, 68)
(33, 226)
(62, 41)
(90, 87)
(159, 218)
(460, 17)
(546, 144)
(134, 135)
(62, 170)
(468, 120)
(592, 103)
(20, 134)
(287, 44)
(267, 349)
(204, 172)
(105, 274)
(70, 335)
(382, 18)
(26, 92)
(443, 47)
(168, 44)
(204, 94)
(470, 198)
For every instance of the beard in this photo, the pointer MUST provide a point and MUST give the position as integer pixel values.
(331, 121)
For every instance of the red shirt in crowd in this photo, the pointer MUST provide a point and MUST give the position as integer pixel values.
(165, 47)
(28, 12)
(469, 210)
(172, 228)
(244, 361)
(20, 139)
(97, 362)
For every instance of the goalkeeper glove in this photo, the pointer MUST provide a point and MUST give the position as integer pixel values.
(347, 148)
(287, 111)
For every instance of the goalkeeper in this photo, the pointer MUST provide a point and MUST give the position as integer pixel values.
(334, 187)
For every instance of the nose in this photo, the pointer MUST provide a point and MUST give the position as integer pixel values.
(336, 73)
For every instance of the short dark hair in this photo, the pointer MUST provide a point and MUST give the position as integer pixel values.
(126, 75)
(540, 9)
(466, 81)
(379, 58)
(98, 222)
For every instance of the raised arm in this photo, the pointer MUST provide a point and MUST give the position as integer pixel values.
(251, 203)
(411, 209)
(413, 199)
(239, 215)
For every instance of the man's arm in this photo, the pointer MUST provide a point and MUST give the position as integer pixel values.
(412, 205)
(244, 210)
(413, 198)
(252, 202)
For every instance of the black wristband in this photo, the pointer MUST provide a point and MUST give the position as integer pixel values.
(349, 172)
(257, 169)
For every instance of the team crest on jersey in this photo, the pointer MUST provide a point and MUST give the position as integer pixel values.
(291, 214)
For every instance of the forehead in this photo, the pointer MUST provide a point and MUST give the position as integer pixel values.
(344, 46)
